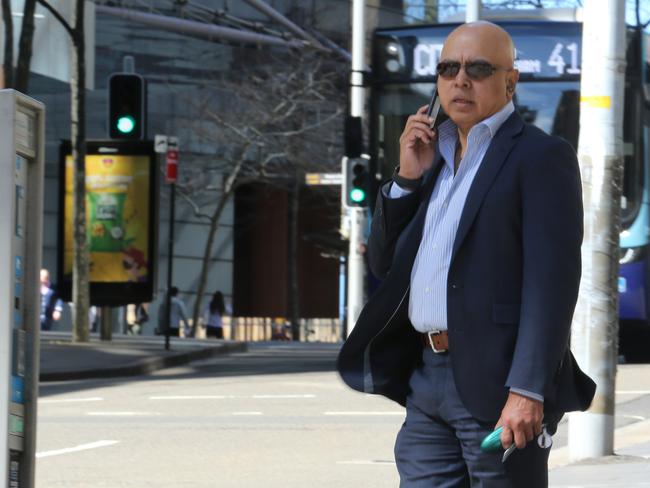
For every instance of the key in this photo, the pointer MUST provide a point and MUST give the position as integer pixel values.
(508, 451)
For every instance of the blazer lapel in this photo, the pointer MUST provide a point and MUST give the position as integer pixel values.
(497, 152)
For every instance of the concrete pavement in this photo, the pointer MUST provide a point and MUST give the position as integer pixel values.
(62, 360)
(128, 355)
(630, 466)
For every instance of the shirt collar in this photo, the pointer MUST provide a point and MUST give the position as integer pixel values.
(495, 121)
(448, 131)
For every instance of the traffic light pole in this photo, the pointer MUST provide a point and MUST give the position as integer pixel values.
(356, 267)
(170, 263)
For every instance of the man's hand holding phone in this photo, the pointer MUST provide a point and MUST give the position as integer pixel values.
(417, 145)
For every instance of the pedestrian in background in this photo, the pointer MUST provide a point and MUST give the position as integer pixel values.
(178, 315)
(51, 306)
(478, 239)
(213, 316)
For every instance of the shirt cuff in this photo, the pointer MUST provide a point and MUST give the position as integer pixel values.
(528, 394)
(393, 190)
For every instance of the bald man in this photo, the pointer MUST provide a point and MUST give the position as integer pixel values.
(477, 237)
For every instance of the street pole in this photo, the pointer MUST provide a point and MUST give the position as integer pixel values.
(473, 12)
(356, 267)
(170, 262)
(594, 339)
(106, 324)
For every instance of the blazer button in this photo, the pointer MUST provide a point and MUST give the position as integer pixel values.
(454, 286)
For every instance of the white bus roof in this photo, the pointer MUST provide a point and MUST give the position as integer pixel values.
(554, 14)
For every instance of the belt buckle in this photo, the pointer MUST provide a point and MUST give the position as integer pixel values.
(433, 346)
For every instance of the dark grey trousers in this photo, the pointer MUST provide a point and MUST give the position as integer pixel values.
(439, 442)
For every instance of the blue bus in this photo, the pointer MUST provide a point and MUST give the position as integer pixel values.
(548, 95)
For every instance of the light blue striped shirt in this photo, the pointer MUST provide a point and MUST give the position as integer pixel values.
(428, 294)
(428, 299)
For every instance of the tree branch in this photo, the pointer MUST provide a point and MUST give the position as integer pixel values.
(196, 208)
(58, 17)
(308, 128)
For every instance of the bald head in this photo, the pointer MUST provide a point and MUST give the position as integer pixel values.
(490, 35)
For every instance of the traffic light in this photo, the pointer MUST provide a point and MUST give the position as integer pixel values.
(357, 178)
(127, 106)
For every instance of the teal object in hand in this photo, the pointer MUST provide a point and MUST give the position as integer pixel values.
(492, 441)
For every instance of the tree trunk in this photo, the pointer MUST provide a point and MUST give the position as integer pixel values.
(205, 267)
(228, 189)
(9, 45)
(294, 295)
(80, 270)
(25, 47)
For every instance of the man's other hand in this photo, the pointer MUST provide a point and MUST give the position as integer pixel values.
(521, 419)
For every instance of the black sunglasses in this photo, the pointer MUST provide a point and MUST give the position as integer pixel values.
(475, 70)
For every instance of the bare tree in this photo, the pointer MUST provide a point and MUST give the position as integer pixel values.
(8, 64)
(18, 78)
(272, 123)
(80, 267)
(21, 78)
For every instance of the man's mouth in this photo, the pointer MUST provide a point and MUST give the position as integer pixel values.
(462, 101)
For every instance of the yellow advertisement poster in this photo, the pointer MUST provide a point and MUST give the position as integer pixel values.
(117, 217)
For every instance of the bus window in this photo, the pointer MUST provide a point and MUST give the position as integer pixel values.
(552, 106)
(633, 145)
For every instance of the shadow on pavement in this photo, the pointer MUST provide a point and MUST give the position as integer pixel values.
(260, 359)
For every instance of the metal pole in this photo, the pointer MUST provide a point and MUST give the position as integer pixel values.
(106, 324)
(170, 262)
(473, 12)
(281, 19)
(358, 57)
(595, 329)
(356, 267)
(198, 29)
(342, 288)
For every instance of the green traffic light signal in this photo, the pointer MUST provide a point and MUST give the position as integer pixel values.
(357, 195)
(127, 106)
(357, 181)
(125, 124)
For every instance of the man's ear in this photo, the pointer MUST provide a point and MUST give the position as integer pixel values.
(511, 82)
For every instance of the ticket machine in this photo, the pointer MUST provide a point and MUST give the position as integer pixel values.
(22, 132)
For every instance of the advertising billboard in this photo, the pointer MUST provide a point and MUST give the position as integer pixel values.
(120, 217)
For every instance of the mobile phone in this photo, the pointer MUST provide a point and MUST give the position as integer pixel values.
(433, 110)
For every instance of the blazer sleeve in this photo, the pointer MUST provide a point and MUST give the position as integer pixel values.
(391, 216)
(552, 231)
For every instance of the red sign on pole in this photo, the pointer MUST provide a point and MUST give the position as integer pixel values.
(172, 165)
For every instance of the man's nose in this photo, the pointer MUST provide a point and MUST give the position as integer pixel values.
(461, 78)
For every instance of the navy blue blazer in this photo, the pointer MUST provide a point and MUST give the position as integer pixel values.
(512, 282)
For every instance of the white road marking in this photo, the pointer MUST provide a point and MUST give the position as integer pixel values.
(633, 392)
(82, 447)
(366, 413)
(192, 397)
(123, 414)
(247, 413)
(284, 396)
(227, 397)
(373, 463)
(71, 400)
(635, 417)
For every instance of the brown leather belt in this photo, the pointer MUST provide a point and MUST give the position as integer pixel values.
(437, 340)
